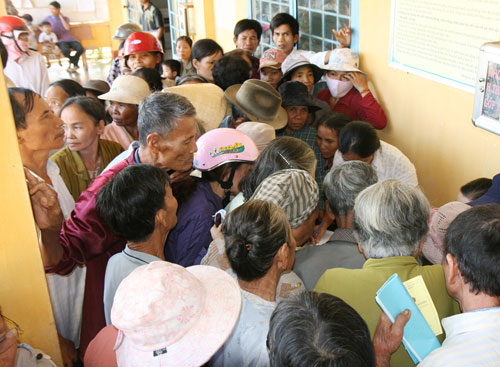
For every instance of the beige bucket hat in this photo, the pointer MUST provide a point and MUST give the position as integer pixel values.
(208, 100)
(127, 89)
(259, 101)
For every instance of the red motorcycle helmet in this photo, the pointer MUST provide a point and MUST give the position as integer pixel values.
(141, 42)
(10, 23)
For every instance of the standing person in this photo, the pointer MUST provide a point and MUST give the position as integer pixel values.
(152, 20)
(247, 33)
(85, 154)
(25, 68)
(205, 54)
(121, 34)
(183, 47)
(66, 41)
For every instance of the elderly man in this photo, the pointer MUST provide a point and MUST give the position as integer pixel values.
(358, 141)
(335, 333)
(145, 225)
(472, 278)
(167, 140)
(390, 220)
(341, 186)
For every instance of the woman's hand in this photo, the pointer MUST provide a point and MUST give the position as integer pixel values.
(359, 82)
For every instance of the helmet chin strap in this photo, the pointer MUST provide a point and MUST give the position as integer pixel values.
(226, 185)
(13, 47)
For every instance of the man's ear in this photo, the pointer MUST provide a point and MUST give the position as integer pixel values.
(295, 39)
(234, 40)
(453, 276)
(154, 141)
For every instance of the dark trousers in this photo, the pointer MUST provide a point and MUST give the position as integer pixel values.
(66, 48)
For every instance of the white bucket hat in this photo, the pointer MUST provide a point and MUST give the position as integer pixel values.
(343, 59)
(168, 315)
(127, 89)
(261, 134)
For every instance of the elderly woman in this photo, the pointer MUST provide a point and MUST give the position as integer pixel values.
(145, 225)
(125, 95)
(85, 155)
(391, 222)
(260, 247)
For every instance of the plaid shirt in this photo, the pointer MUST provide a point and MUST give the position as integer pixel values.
(308, 135)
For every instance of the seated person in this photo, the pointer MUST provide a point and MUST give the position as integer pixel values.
(14, 354)
(491, 196)
(164, 314)
(441, 219)
(125, 95)
(85, 154)
(391, 221)
(121, 34)
(341, 186)
(224, 157)
(318, 329)
(59, 91)
(260, 247)
(358, 140)
(270, 66)
(255, 100)
(474, 189)
(229, 70)
(205, 54)
(152, 77)
(48, 40)
(472, 278)
(342, 74)
(66, 41)
(145, 225)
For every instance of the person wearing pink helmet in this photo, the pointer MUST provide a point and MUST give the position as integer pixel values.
(25, 68)
(224, 157)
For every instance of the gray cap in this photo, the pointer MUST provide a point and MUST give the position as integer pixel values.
(293, 190)
(125, 30)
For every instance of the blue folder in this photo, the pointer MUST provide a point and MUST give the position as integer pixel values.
(418, 338)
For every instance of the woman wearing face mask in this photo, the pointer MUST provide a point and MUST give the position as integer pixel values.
(342, 74)
(25, 68)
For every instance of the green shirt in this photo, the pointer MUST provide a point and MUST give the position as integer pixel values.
(358, 288)
(73, 171)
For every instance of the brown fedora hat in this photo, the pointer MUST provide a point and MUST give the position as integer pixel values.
(259, 101)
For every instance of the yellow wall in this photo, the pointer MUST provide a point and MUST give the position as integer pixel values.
(224, 12)
(117, 15)
(430, 122)
(23, 291)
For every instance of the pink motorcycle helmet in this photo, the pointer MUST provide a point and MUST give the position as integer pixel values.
(220, 146)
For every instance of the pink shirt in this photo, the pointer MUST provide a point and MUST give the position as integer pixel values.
(117, 134)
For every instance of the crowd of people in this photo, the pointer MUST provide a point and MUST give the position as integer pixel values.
(227, 210)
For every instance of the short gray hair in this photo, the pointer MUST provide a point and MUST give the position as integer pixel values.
(391, 219)
(160, 112)
(344, 182)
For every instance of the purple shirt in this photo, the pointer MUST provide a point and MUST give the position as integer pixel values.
(63, 35)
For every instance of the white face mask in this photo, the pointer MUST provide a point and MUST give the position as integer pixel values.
(338, 88)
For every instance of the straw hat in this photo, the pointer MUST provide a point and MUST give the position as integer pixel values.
(168, 315)
(208, 100)
(127, 89)
(259, 101)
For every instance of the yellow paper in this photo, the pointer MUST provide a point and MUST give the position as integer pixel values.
(418, 291)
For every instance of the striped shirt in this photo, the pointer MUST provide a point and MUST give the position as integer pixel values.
(472, 339)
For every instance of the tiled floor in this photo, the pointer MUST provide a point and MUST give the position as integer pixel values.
(98, 68)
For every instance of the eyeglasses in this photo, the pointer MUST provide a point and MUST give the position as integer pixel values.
(11, 336)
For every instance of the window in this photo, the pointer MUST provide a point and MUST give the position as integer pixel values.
(316, 19)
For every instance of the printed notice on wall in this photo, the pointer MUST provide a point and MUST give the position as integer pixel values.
(440, 40)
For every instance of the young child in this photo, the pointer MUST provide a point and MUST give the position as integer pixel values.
(48, 39)
(171, 69)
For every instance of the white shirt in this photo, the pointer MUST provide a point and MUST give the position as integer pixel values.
(247, 344)
(66, 291)
(472, 339)
(389, 162)
(29, 72)
(47, 37)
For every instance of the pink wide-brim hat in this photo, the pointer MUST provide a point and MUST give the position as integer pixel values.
(168, 315)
